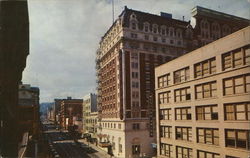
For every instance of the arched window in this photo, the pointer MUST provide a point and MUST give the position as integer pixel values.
(179, 33)
(226, 30)
(146, 27)
(205, 29)
(155, 28)
(133, 22)
(171, 32)
(163, 30)
(215, 31)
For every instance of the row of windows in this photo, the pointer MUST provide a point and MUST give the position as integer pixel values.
(236, 58)
(110, 125)
(155, 48)
(233, 85)
(232, 111)
(235, 138)
(156, 39)
(233, 59)
(237, 84)
(163, 30)
(184, 152)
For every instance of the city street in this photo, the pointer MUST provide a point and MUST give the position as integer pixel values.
(62, 145)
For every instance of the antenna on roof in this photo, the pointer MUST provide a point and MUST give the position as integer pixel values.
(113, 10)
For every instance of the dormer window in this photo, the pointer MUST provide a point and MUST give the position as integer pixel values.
(179, 33)
(133, 22)
(171, 32)
(133, 25)
(163, 30)
(146, 27)
(155, 28)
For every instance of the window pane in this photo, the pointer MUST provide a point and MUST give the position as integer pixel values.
(209, 155)
(205, 68)
(237, 58)
(240, 112)
(227, 61)
(201, 154)
(248, 83)
(247, 56)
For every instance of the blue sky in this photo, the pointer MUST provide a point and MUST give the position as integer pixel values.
(64, 35)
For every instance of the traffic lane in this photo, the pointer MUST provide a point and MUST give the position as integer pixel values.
(69, 149)
(64, 146)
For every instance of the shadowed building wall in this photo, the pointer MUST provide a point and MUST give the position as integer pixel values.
(14, 48)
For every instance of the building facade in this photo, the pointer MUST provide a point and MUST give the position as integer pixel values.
(71, 110)
(28, 101)
(203, 104)
(131, 48)
(89, 117)
(210, 25)
(57, 109)
(14, 48)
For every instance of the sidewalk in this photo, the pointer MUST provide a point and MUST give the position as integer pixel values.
(100, 153)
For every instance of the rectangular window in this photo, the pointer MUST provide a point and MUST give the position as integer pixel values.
(235, 58)
(181, 75)
(182, 94)
(237, 84)
(208, 112)
(247, 55)
(166, 131)
(206, 154)
(134, 74)
(163, 81)
(205, 68)
(120, 148)
(133, 35)
(182, 152)
(136, 126)
(155, 39)
(231, 156)
(165, 114)
(184, 133)
(166, 150)
(136, 149)
(135, 84)
(135, 94)
(163, 40)
(237, 111)
(205, 90)
(164, 97)
(134, 65)
(208, 136)
(183, 113)
(237, 138)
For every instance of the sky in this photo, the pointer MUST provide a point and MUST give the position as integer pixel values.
(64, 36)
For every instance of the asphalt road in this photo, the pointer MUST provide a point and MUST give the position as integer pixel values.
(62, 145)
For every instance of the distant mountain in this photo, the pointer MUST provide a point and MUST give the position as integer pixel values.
(44, 106)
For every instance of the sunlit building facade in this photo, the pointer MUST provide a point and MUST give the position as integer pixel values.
(203, 104)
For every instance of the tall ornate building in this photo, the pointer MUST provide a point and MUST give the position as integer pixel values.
(129, 51)
(14, 48)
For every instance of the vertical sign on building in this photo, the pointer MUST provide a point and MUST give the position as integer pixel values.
(150, 110)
